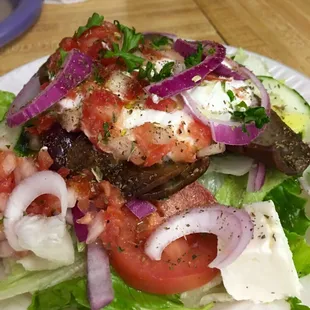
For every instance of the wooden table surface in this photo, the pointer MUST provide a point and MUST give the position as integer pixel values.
(275, 28)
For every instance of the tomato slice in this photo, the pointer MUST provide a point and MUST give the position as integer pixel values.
(184, 264)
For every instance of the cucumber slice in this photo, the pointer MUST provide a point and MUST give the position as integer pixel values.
(289, 105)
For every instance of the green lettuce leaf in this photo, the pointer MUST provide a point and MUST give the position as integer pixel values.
(6, 98)
(296, 304)
(301, 253)
(68, 294)
(21, 281)
(73, 294)
(290, 206)
(231, 190)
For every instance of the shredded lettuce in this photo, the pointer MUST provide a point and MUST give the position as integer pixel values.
(290, 206)
(21, 281)
(231, 190)
(72, 294)
(6, 98)
(296, 304)
(301, 253)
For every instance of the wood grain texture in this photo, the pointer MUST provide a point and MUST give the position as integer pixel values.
(182, 17)
(278, 29)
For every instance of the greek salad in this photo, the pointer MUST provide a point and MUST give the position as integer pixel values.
(146, 171)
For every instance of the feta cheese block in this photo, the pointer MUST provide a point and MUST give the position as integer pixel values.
(265, 271)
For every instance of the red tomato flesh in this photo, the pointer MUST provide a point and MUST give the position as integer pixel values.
(184, 263)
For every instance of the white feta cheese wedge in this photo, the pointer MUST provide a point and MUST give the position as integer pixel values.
(265, 271)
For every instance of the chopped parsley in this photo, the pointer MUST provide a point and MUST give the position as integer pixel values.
(160, 41)
(195, 58)
(97, 76)
(131, 41)
(63, 54)
(120, 249)
(152, 75)
(250, 114)
(94, 20)
(231, 95)
(106, 132)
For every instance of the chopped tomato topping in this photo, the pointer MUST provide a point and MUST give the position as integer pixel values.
(167, 105)
(41, 123)
(46, 204)
(68, 44)
(81, 186)
(44, 160)
(201, 133)
(99, 112)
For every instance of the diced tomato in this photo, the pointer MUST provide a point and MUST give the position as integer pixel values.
(112, 194)
(147, 140)
(7, 184)
(44, 160)
(167, 105)
(44, 85)
(3, 200)
(133, 89)
(8, 163)
(64, 172)
(184, 264)
(26, 167)
(68, 44)
(81, 185)
(41, 123)
(108, 33)
(100, 109)
(201, 133)
(46, 204)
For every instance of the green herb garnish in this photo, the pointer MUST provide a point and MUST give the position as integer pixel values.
(152, 75)
(106, 131)
(250, 114)
(195, 58)
(131, 41)
(94, 20)
(63, 54)
(98, 78)
(158, 42)
(231, 95)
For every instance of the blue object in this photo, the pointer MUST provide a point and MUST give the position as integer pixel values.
(24, 14)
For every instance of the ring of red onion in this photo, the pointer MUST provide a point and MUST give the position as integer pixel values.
(31, 101)
(233, 226)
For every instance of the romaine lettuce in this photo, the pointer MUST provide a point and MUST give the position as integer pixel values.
(73, 294)
(6, 98)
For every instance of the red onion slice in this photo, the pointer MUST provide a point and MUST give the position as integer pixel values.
(100, 290)
(187, 79)
(186, 48)
(233, 226)
(256, 177)
(140, 208)
(43, 182)
(81, 230)
(31, 102)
